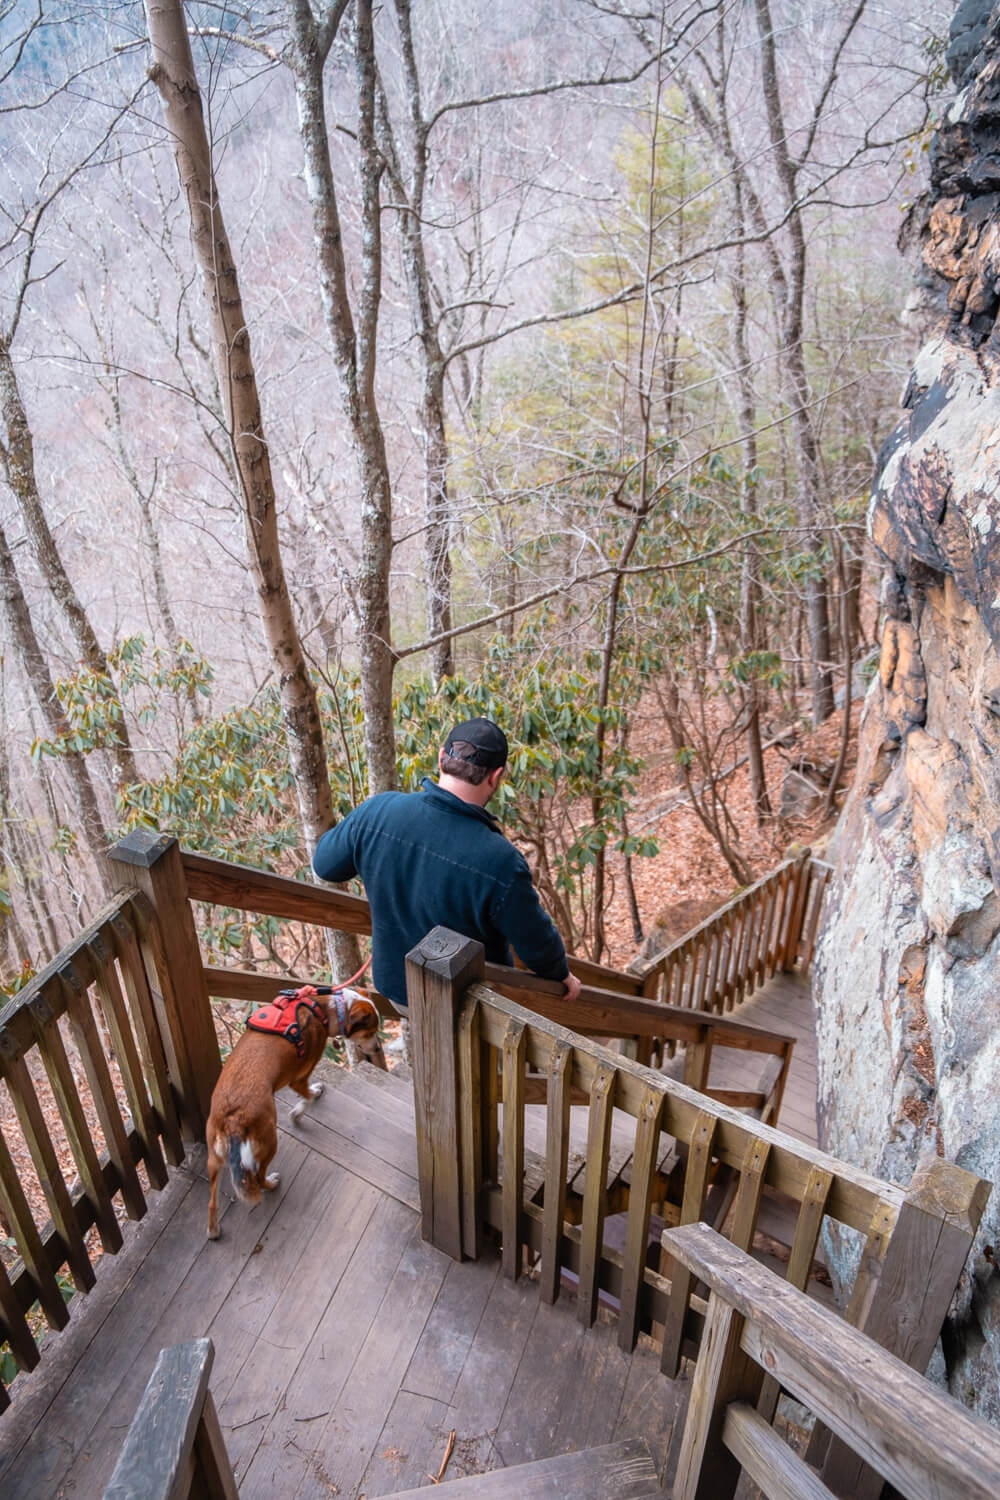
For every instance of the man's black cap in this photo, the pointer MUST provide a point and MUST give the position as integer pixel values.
(480, 741)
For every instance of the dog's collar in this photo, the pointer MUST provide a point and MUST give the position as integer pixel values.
(343, 1000)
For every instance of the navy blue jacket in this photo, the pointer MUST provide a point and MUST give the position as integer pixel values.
(428, 859)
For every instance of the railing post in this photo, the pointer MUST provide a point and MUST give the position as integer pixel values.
(901, 1301)
(151, 863)
(438, 972)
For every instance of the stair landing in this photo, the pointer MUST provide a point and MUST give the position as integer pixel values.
(347, 1350)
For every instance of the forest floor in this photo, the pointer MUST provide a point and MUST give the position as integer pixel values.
(689, 879)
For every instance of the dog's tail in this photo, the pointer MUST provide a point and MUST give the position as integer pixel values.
(241, 1162)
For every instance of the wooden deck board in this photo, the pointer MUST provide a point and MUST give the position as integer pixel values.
(570, 1382)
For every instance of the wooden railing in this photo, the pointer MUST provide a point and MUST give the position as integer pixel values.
(474, 1053)
(770, 926)
(887, 1422)
(134, 986)
(104, 997)
(612, 1004)
(174, 1449)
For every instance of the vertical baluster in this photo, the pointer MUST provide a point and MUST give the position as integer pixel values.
(17, 1217)
(470, 1052)
(777, 923)
(147, 1031)
(692, 1207)
(43, 1154)
(753, 1170)
(712, 998)
(602, 1098)
(556, 1158)
(116, 1019)
(644, 1156)
(95, 1065)
(491, 1112)
(52, 1048)
(807, 1229)
(14, 1326)
(515, 1045)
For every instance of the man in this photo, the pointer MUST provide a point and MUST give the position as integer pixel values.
(437, 858)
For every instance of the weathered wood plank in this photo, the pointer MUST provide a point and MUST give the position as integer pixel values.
(769, 1461)
(158, 1459)
(151, 863)
(43, 1154)
(923, 1442)
(222, 883)
(266, 1325)
(147, 1031)
(450, 1332)
(513, 1050)
(556, 1162)
(288, 1444)
(113, 1008)
(645, 1154)
(438, 971)
(602, 1099)
(616, 1471)
(347, 1441)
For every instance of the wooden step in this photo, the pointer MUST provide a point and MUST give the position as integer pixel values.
(619, 1471)
(379, 1091)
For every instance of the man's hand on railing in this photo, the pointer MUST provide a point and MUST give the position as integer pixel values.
(572, 987)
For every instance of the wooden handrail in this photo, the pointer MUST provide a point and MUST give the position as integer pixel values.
(610, 1005)
(912, 1434)
(487, 1050)
(719, 963)
(174, 1446)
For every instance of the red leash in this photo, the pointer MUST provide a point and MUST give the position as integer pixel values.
(354, 977)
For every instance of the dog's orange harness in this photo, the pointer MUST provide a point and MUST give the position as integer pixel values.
(280, 1016)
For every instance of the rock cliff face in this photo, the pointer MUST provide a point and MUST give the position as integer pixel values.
(908, 964)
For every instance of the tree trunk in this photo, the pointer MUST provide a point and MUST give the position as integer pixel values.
(437, 562)
(18, 462)
(354, 352)
(797, 380)
(173, 73)
(22, 632)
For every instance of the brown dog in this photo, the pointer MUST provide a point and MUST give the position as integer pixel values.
(281, 1047)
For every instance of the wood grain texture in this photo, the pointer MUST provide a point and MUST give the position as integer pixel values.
(602, 1099)
(617, 1471)
(767, 1459)
(158, 1459)
(556, 1162)
(152, 864)
(924, 1443)
(512, 1055)
(438, 971)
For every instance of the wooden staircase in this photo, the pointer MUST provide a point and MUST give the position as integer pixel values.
(618, 1471)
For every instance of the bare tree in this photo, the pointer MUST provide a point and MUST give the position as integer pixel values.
(21, 632)
(172, 70)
